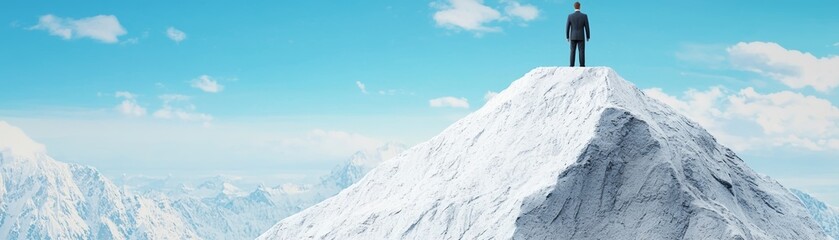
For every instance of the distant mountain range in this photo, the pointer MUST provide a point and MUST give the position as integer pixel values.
(41, 198)
(563, 153)
(46, 199)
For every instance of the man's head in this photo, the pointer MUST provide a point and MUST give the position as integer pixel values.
(577, 5)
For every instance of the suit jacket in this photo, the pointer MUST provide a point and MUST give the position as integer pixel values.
(577, 22)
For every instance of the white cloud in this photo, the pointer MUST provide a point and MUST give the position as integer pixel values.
(749, 120)
(449, 102)
(129, 106)
(787, 113)
(525, 12)
(470, 15)
(700, 106)
(836, 44)
(175, 34)
(130, 41)
(207, 84)
(489, 95)
(475, 16)
(361, 86)
(791, 67)
(104, 28)
(178, 107)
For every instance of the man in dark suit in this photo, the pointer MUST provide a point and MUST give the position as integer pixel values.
(577, 22)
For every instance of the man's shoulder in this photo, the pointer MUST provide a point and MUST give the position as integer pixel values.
(577, 13)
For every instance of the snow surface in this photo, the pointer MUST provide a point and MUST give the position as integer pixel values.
(41, 198)
(825, 215)
(562, 153)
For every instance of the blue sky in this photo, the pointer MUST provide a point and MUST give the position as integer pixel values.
(273, 88)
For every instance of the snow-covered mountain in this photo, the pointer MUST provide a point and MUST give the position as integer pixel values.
(358, 165)
(562, 153)
(41, 198)
(44, 198)
(825, 215)
(217, 209)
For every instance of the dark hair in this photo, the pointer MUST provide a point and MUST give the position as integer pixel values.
(577, 5)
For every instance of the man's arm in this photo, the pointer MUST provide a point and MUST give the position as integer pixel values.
(588, 33)
(568, 28)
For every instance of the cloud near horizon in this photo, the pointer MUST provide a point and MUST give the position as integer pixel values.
(489, 95)
(103, 28)
(129, 106)
(793, 68)
(449, 102)
(179, 107)
(782, 118)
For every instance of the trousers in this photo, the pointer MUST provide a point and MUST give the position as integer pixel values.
(581, 46)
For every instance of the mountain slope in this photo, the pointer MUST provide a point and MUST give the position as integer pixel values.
(41, 198)
(826, 216)
(562, 153)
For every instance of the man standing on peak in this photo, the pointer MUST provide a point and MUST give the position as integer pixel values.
(577, 22)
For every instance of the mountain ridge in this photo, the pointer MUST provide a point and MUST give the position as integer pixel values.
(508, 169)
(41, 198)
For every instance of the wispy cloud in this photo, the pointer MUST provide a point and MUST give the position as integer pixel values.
(179, 107)
(207, 84)
(129, 106)
(711, 55)
(489, 95)
(476, 16)
(394, 92)
(449, 102)
(361, 87)
(104, 28)
(175, 35)
(793, 68)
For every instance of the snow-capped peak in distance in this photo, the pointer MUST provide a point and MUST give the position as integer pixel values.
(359, 164)
(41, 198)
(562, 153)
(373, 158)
(13, 141)
(825, 215)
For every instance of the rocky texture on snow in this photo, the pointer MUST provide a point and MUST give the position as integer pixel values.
(562, 153)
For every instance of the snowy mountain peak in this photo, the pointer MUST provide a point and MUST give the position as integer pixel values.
(359, 164)
(41, 198)
(561, 153)
(15, 142)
